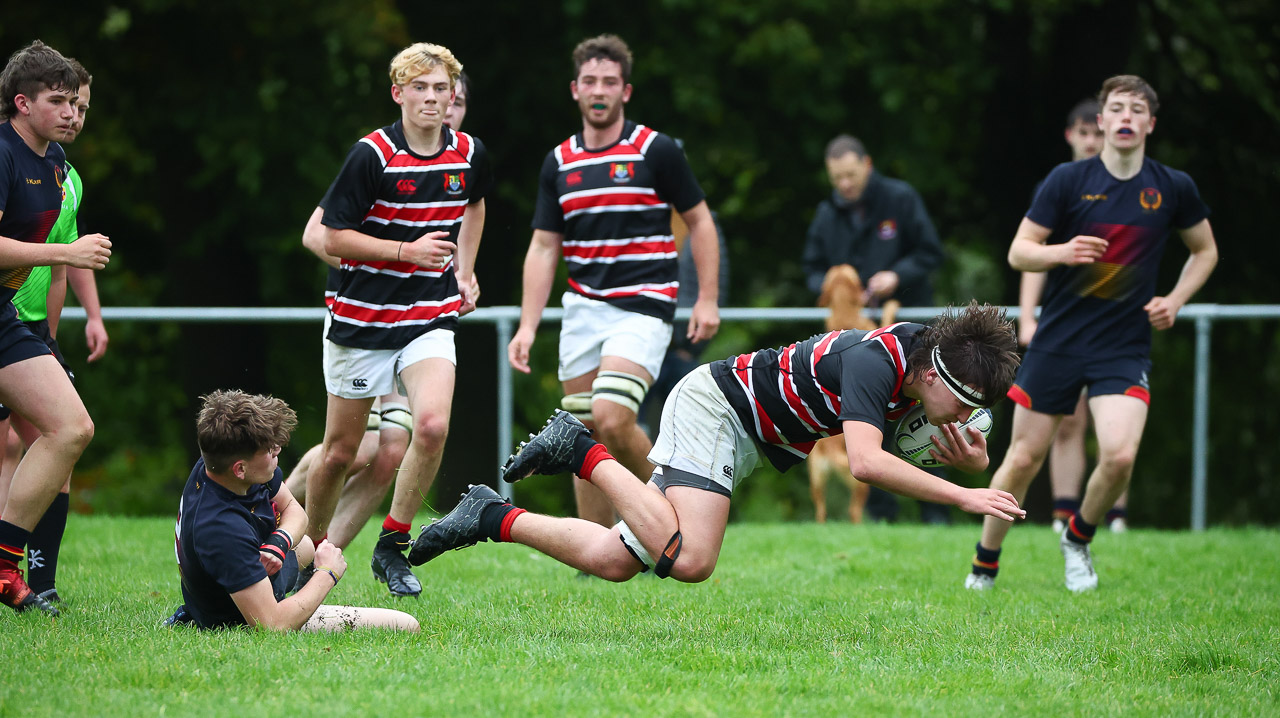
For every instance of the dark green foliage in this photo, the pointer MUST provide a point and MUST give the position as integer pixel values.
(216, 128)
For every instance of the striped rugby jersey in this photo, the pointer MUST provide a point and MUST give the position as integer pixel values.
(789, 398)
(31, 195)
(613, 207)
(387, 191)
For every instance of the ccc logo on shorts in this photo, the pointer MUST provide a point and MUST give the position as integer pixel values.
(360, 384)
(727, 471)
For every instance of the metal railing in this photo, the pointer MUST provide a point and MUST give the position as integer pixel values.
(505, 319)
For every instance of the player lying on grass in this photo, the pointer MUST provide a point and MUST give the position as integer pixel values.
(236, 524)
(718, 421)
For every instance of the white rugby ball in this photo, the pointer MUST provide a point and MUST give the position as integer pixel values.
(913, 432)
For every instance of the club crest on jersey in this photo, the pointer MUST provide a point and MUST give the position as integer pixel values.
(455, 184)
(888, 229)
(622, 171)
(1150, 199)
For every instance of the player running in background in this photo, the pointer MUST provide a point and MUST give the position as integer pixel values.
(405, 216)
(390, 423)
(723, 416)
(605, 197)
(236, 526)
(39, 304)
(1098, 227)
(37, 99)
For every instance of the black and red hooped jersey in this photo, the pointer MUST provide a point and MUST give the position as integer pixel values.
(789, 398)
(613, 208)
(387, 191)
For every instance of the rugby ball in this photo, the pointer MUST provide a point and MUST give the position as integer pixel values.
(914, 430)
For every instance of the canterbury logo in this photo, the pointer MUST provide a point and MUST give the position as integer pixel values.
(359, 383)
(406, 186)
(727, 471)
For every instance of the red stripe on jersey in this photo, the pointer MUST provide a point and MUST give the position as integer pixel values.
(399, 267)
(618, 249)
(894, 349)
(609, 199)
(393, 316)
(669, 291)
(742, 368)
(463, 144)
(640, 138)
(820, 350)
(382, 144)
(798, 407)
(415, 214)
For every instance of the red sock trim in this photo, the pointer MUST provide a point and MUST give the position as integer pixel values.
(391, 524)
(1071, 524)
(594, 456)
(15, 554)
(504, 531)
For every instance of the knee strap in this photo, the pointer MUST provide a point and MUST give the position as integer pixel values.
(669, 556)
(578, 404)
(373, 421)
(397, 416)
(620, 388)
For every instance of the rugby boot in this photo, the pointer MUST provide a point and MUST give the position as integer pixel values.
(180, 617)
(458, 528)
(16, 594)
(550, 451)
(1078, 562)
(390, 567)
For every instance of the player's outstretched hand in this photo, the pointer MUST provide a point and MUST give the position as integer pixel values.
(991, 502)
(518, 350)
(704, 321)
(430, 251)
(1161, 311)
(969, 458)
(92, 251)
(1082, 249)
(330, 557)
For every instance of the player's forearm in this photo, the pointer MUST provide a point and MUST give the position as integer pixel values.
(469, 239)
(15, 254)
(1194, 274)
(293, 519)
(539, 274)
(358, 246)
(313, 239)
(891, 473)
(56, 297)
(293, 613)
(1029, 292)
(1026, 255)
(85, 286)
(706, 258)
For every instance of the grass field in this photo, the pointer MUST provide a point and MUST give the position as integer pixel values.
(798, 620)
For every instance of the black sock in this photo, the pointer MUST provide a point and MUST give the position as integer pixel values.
(986, 562)
(42, 547)
(582, 443)
(1079, 530)
(1116, 513)
(491, 519)
(390, 538)
(13, 544)
(1064, 508)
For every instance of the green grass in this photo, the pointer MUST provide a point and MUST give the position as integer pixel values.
(799, 619)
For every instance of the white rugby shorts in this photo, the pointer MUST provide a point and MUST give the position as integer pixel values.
(351, 373)
(702, 435)
(592, 329)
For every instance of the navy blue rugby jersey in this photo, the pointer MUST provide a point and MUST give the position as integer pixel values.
(789, 398)
(613, 206)
(218, 535)
(387, 191)
(1096, 309)
(30, 197)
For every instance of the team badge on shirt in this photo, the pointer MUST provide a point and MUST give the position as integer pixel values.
(1150, 199)
(888, 229)
(623, 171)
(455, 184)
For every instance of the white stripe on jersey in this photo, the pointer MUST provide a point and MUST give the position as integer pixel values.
(378, 150)
(598, 160)
(428, 168)
(645, 290)
(421, 205)
(423, 223)
(395, 307)
(570, 196)
(621, 258)
(398, 323)
(617, 242)
(432, 273)
(616, 208)
(790, 377)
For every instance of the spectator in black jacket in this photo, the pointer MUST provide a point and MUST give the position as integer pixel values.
(879, 226)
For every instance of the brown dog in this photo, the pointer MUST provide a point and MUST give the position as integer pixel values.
(842, 291)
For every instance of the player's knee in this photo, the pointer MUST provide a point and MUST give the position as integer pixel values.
(1118, 463)
(692, 567)
(338, 456)
(430, 431)
(1024, 460)
(615, 400)
(612, 422)
(75, 433)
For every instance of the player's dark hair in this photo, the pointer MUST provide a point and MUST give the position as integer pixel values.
(32, 69)
(1130, 85)
(843, 145)
(464, 84)
(234, 425)
(81, 73)
(978, 346)
(602, 47)
(1085, 111)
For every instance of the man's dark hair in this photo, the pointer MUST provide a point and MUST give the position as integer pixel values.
(32, 69)
(1085, 111)
(602, 47)
(843, 145)
(464, 83)
(81, 73)
(234, 425)
(978, 346)
(1130, 85)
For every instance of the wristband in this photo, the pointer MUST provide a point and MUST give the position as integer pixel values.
(278, 544)
(329, 571)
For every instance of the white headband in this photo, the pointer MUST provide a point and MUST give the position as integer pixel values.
(963, 392)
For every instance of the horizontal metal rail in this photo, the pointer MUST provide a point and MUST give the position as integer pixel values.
(505, 318)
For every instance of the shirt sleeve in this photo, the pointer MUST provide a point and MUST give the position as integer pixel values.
(1191, 210)
(7, 178)
(547, 214)
(673, 176)
(482, 182)
(867, 377)
(1047, 205)
(230, 556)
(354, 190)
